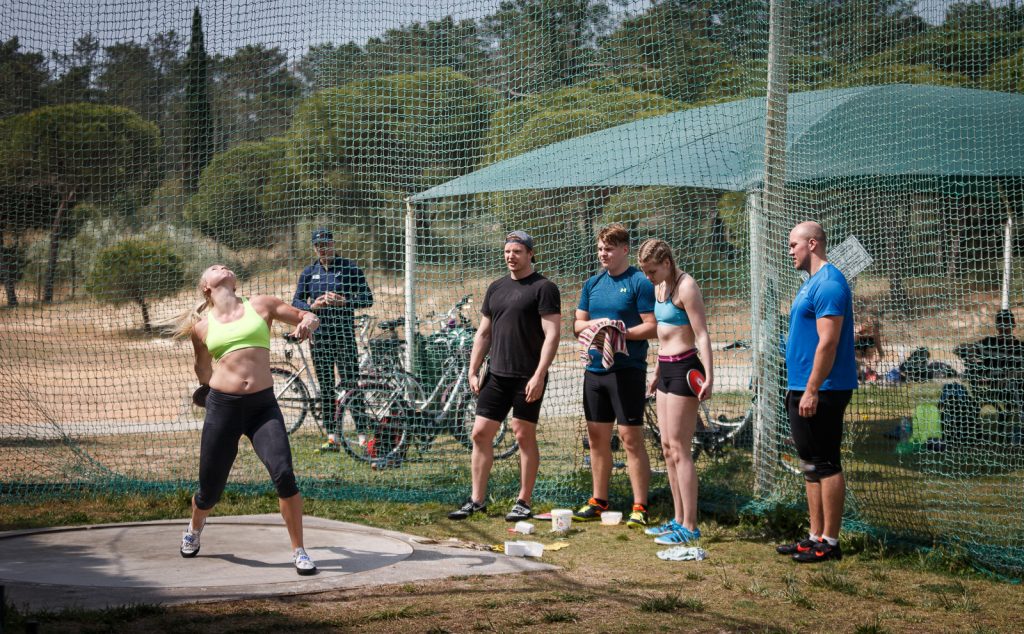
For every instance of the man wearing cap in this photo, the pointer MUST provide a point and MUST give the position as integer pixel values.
(520, 326)
(332, 287)
(996, 363)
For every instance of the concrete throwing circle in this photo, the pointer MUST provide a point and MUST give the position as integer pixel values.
(146, 555)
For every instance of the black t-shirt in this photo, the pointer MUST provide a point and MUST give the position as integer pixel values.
(515, 308)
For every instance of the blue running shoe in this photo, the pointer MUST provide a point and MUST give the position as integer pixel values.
(663, 529)
(681, 535)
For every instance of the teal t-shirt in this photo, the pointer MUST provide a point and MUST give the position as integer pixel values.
(824, 294)
(624, 297)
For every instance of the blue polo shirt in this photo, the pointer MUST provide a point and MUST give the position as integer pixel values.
(624, 297)
(824, 294)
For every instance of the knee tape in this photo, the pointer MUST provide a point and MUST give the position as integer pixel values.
(815, 471)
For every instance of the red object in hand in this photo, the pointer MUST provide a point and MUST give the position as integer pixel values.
(696, 380)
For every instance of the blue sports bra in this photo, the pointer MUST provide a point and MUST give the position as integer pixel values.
(667, 312)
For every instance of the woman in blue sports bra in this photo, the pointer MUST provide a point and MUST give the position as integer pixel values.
(684, 377)
(235, 332)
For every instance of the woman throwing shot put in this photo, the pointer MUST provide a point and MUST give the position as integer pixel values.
(236, 333)
(681, 381)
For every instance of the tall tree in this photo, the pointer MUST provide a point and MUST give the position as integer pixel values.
(77, 153)
(76, 72)
(539, 45)
(23, 78)
(197, 148)
(255, 93)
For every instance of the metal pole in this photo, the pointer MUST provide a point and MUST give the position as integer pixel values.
(410, 276)
(772, 207)
(1007, 261)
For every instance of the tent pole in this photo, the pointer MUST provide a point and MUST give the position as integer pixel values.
(410, 276)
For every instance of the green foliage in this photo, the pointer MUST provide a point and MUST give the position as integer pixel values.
(135, 270)
(970, 53)
(1006, 75)
(649, 53)
(233, 204)
(23, 77)
(872, 74)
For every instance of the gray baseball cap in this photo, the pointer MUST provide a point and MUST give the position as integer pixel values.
(521, 237)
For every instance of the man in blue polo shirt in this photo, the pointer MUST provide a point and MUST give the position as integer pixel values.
(821, 376)
(333, 287)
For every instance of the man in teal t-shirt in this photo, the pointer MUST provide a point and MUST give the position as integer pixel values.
(619, 292)
(821, 376)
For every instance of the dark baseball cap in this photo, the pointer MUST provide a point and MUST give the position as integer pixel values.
(322, 235)
(521, 237)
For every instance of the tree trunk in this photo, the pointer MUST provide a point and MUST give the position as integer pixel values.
(145, 316)
(55, 229)
(12, 297)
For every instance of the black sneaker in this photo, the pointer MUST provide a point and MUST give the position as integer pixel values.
(466, 510)
(822, 551)
(520, 511)
(801, 546)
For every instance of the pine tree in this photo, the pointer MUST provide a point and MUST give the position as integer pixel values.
(198, 133)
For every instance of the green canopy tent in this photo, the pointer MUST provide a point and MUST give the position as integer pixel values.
(873, 131)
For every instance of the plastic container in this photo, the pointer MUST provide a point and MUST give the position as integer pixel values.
(525, 528)
(611, 518)
(524, 549)
(561, 520)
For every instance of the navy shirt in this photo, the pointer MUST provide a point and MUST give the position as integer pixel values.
(624, 297)
(824, 294)
(342, 276)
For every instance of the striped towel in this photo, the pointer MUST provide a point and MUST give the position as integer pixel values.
(606, 335)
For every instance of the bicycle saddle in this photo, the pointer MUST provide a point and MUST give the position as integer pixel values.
(391, 324)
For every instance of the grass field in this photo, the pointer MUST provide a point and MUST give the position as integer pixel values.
(610, 581)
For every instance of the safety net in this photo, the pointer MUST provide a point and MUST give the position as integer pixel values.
(142, 142)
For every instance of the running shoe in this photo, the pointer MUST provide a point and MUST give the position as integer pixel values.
(466, 510)
(822, 551)
(520, 511)
(663, 529)
(303, 564)
(189, 544)
(637, 517)
(801, 546)
(681, 535)
(331, 446)
(589, 512)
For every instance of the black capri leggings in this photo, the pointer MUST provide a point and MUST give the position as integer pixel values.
(228, 417)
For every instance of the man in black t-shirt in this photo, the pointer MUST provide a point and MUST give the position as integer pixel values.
(520, 326)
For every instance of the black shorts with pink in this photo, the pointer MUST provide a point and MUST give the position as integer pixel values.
(672, 371)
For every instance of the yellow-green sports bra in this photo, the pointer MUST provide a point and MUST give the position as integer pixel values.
(250, 331)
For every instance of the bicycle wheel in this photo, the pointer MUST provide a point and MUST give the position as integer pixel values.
(652, 435)
(371, 420)
(292, 396)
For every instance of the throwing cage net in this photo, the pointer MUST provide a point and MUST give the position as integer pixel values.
(141, 143)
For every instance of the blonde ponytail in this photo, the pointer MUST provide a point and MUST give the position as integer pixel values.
(184, 321)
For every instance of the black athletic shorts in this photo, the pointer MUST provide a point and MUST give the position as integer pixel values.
(818, 439)
(672, 375)
(499, 394)
(615, 396)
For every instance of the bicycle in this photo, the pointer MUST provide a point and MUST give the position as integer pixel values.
(390, 412)
(295, 385)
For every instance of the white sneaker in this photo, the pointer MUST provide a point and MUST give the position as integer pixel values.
(190, 544)
(303, 564)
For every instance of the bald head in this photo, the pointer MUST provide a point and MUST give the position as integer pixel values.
(810, 230)
(807, 246)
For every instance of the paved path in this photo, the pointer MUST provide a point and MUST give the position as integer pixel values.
(241, 557)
